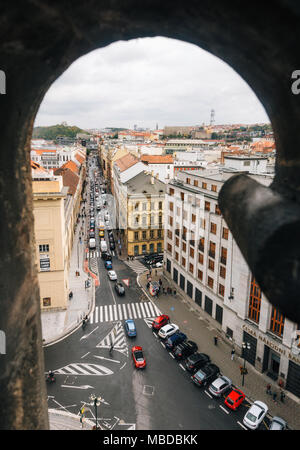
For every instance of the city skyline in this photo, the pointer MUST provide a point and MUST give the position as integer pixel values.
(148, 81)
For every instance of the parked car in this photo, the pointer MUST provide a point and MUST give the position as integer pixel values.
(112, 275)
(106, 256)
(160, 321)
(168, 330)
(158, 264)
(234, 399)
(138, 357)
(277, 423)
(119, 288)
(220, 385)
(92, 234)
(206, 375)
(255, 415)
(108, 265)
(195, 361)
(130, 327)
(174, 340)
(184, 350)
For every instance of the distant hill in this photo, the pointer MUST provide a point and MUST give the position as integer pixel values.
(52, 132)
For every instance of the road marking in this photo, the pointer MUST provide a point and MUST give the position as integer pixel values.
(115, 312)
(86, 386)
(162, 344)
(111, 313)
(242, 425)
(134, 312)
(147, 310)
(138, 310)
(225, 410)
(171, 354)
(124, 310)
(96, 313)
(183, 368)
(120, 312)
(87, 335)
(207, 393)
(152, 309)
(85, 355)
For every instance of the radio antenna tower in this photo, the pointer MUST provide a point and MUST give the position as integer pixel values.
(212, 117)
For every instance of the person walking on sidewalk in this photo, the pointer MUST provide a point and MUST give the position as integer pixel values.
(216, 340)
(282, 396)
(268, 390)
(232, 354)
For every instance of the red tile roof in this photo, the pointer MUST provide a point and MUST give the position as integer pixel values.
(126, 161)
(157, 159)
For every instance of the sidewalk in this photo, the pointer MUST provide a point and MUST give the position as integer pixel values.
(57, 324)
(62, 420)
(199, 327)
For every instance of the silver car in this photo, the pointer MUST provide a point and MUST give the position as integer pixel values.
(277, 423)
(220, 385)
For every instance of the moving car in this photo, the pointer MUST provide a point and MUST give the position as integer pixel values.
(103, 246)
(220, 385)
(138, 357)
(168, 330)
(92, 243)
(205, 375)
(108, 265)
(234, 399)
(277, 423)
(106, 256)
(175, 339)
(184, 350)
(255, 415)
(130, 327)
(119, 288)
(160, 321)
(196, 361)
(92, 234)
(112, 275)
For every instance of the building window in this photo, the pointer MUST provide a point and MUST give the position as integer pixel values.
(144, 248)
(200, 275)
(217, 210)
(44, 248)
(207, 206)
(188, 180)
(136, 206)
(196, 183)
(47, 301)
(177, 242)
(159, 233)
(210, 282)
(159, 247)
(277, 322)
(191, 268)
(223, 255)
(169, 248)
(171, 206)
(212, 249)
(183, 261)
(160, 205)
(144, 221)
(225, 233)
(178, 211)
(193, 218)
(171, 221)
(169, 234)
(221, 290)
(182, 196)
(184, 247)
(201, 244)
(222, 272)
(211, 264)
(144, 206)
(144, 234)
(136, 235)
(214, 187)
(200, 258)
(254, 301)
(213, 228)
(192, 253)
(171, 191)
(176, 256)
(204, 185)
(136, 250)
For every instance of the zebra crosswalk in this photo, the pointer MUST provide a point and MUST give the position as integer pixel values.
(93, 254)
(117, 338)
(123, 311)
(136, 266)
(83, 369)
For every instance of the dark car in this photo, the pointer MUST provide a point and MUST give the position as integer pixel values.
(175, 339)
(196, 361)
(155, 260)
(108, 264)
(106, 256)
(184, 350)
(92, 234)
(206, 374)
(120, 288)
(149, 256)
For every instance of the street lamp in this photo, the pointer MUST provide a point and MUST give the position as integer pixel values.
(96, 402)
(245, 346)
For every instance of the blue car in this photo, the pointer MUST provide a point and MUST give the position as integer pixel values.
(130, 328)
(175, 339)
(108, 265)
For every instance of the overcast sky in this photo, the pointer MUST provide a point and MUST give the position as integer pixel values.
(148, 81)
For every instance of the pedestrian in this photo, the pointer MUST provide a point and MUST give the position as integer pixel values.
(274, 396)
(160, 282)
(216, 340)
(148, 285)
(155, 272)
(282, 396)
(174, 291)
(268, 390)
(232, 354)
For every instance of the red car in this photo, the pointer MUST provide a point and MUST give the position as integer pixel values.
(160, 322)
(138, 357)
(234, 399)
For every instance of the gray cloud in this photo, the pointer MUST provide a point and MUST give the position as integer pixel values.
(145, 81)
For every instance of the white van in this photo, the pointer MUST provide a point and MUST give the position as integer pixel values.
(92, 243)
(103, 246)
